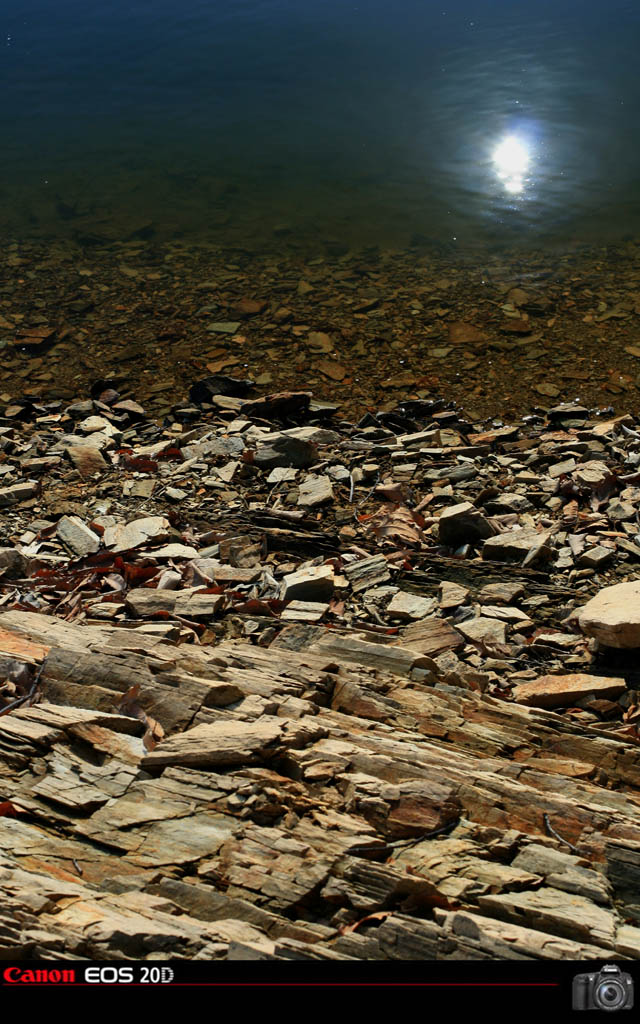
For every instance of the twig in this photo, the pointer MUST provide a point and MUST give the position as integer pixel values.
(552, 832)
(369, 493)
(361, 851)
(27, 696)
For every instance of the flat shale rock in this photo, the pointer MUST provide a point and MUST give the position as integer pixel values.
(516, 545)
(136, 534)
(409, 607)
(12, 563)
(367, 572)
(501, 593)
(227, 743)
(286, 451)
(431, 636)
(452, 595)
(613, 616)
(315, 490)
(463, 524)
(78, 537)
(17, 493)
(312, 584)
(489, 631)
(563, 691)
(566, 914)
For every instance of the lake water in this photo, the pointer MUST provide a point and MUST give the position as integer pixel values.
(367, 122)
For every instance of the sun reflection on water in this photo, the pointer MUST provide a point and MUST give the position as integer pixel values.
(511, 160)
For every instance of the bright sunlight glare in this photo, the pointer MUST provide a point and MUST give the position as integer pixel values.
(511, 160)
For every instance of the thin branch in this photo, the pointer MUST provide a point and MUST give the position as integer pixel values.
(22, 700)
(552, 832)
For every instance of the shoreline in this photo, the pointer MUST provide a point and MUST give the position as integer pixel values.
(500, 335)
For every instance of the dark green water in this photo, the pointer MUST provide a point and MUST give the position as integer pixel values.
(369, 122)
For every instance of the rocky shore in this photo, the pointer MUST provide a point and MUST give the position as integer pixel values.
(279, 685)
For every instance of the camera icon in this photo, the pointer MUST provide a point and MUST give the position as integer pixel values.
(609, 989)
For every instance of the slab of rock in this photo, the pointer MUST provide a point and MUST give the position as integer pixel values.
(563, 691)
(516, 545)
(12, 563)
(592, 474)
(286, 451)
(75, 535)
(488, 631)
(174, 551)
(312, 584)
(190, 605)
(304, 611)
(144, 601)
(17, 493)
(613, 615)
(315, 490)
(452, 595)
(88, 461)
(222, 743)
(367, 573)
(463, 524)
(501, 593)
(431, 636)
(508, 502)
(409, 606)
(137, 533)
(547, 909)
(383, 657)
(596, 557)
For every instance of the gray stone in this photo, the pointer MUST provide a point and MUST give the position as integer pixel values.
(463, 524)
(17, 493)
(315, 490)
(75, 535)
(516, 545)
(137, 533)
(596, 557)
(286, 451)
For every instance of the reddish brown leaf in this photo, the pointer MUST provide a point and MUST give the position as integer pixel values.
(141, 464)
(170, 455)
(380, 915)
(7, 810)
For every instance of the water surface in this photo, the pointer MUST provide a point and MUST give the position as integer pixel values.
(362, 122)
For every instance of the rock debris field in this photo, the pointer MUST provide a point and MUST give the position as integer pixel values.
(276, 685)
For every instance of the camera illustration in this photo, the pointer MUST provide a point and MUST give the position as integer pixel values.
(609, 989)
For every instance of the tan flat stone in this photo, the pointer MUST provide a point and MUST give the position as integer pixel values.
(613, 615)
(561, 691)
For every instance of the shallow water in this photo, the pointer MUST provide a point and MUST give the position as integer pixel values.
(361, 123)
